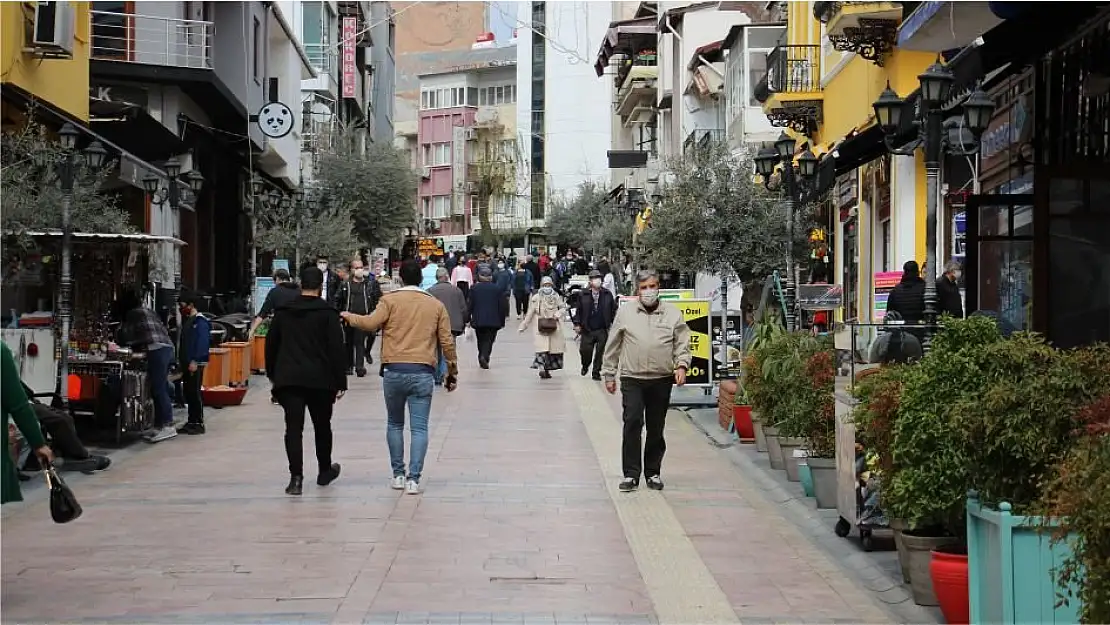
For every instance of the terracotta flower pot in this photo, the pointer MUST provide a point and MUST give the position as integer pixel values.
(742, 419)
(948, 570)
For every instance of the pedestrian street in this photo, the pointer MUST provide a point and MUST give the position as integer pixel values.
(520, 521)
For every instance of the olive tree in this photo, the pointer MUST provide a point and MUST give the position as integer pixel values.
(32, 191)
(589, 219)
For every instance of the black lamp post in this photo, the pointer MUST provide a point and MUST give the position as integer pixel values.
(170, 193)
(93, 158)
(936, 86)
(795, 180)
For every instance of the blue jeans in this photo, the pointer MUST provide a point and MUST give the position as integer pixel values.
(415, 390)
(158, 363)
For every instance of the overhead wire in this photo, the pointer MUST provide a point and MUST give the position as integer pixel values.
(558, 47)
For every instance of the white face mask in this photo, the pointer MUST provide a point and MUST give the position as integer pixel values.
(360, 273)
(649, 297)
(500, 265)
(322, 267)
(956, 275)
(595, 282)
(547, 290)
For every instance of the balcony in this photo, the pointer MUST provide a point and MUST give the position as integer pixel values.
(791, 89)
(701, 139)
(869, 29)
(636, 94)
(151, 40)
(321, 55)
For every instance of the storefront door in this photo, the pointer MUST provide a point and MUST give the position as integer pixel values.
(1000, 258)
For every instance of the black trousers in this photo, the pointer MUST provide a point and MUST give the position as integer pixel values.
(59, 425)
(356, 348)
(486, 337)
(319, 403)
(521, 298)
(370, 336)
(190, 386)
(592, 348)
(644, 402)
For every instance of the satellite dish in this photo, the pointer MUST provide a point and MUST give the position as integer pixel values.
(320, 111)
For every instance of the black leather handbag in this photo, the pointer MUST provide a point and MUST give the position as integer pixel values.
(63, 503)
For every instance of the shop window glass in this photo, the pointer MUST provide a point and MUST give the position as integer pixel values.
(994, 221)
(851, 270)
(1079, 288)
(1066, 196)
(1006, 281)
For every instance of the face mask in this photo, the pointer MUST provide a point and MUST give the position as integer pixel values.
(322, 266)
(500, 265)
(596, 283)
(956, 275)
(547, 290)
(649, 297)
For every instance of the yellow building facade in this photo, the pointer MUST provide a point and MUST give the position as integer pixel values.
(53, 78)
(824, 95)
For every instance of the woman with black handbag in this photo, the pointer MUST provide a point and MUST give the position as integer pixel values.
(17, 408)
(547, 308)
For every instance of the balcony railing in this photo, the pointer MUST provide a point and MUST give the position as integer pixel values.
(321, 55)
(794, 69)
(701, 139)
(151, 40)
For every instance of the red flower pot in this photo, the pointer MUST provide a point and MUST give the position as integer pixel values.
(742, 419)
(949, 574)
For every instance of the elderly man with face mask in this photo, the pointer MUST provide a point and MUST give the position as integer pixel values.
(948, 290)
(650, 345)
(596, 308)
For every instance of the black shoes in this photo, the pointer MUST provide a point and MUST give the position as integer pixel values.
(296, 485)
(585, 370)
(629, 484)
(483, 363)
(654, 483)
(350, 370)
(361, 373)
(191, 428)
(597, 377)
(545, 374)
(327, 477)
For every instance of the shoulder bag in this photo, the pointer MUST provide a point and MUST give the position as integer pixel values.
(63, 503)
(547, 325)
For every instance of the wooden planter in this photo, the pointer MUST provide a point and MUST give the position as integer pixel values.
(239, 355)
(218, 371)
(1011, 562)
(258, 354)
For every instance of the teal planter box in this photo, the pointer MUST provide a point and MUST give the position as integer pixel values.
(1011, 569)
(806, 478)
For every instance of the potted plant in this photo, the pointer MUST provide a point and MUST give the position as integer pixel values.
(1077, 501)
(258, 347)
(819, 422)
(755, 397)
(779, 359)
(742, 415)
(758, 396)
(1022, 425)
(928, 478)
(879, 391)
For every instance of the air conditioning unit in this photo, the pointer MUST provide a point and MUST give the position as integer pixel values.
(55, 26)
(470, 134)
(426, 172)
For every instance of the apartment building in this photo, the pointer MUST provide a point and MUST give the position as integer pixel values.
(467, 118)
(567, 117)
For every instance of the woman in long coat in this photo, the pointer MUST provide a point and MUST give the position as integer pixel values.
(546, 304)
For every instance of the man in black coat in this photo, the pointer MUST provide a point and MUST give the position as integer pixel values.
(908, 296)
(948, 290)
(306, 362)
(283, 293)
(358, 295)
(488, 309)
(596, 309)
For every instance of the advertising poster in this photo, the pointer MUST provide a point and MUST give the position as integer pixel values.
(733, 336)
(820, 296)
(427, 247)
(676, 294)
(884, 282)
(281, 263)
(696, 314)
(262, 287)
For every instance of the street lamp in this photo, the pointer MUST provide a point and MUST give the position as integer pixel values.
(170, 193)
(936, 87)
(795, 180)
(92, 157)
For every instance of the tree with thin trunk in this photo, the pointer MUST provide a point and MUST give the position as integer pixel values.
(32, 191)
(587, 218)
(494, 177)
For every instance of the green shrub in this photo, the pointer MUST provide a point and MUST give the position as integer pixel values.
(797, 377)
(879, 393)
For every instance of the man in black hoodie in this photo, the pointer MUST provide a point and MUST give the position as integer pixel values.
(306, 362)
(907, 298)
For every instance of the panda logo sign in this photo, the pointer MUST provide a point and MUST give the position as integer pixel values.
(276, 120)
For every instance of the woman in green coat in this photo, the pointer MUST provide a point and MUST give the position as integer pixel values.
(16, 406)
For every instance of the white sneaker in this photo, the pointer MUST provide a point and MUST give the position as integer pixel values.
(398, 482)
(412, 488)
(163, 434)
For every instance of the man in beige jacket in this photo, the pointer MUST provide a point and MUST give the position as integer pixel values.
(413, 325)
(650, 345)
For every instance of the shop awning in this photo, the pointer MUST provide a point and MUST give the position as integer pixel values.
(124, 123)
(101, 237)
(940, 26)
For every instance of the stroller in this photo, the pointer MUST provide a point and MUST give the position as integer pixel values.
(871, 516)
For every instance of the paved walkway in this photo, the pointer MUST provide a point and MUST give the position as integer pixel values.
(520, 523)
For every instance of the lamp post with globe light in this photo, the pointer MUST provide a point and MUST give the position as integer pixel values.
(936, 86)
(795, 179)
(93, 158)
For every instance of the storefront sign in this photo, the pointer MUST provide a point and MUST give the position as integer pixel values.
(884, 282)
(677, 294)
(349, 33)
(1006, 142)
(262, 287)
(820, 296)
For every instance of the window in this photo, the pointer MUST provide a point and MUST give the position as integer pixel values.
(426, 207)
(497, 94)
(436, 154)
(257, 59)
(441, 206)
(508, 150)
(447, 97)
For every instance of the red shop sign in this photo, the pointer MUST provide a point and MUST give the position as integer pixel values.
(348, 34)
